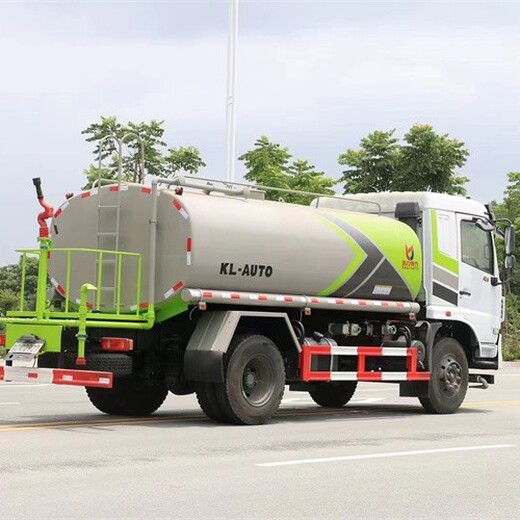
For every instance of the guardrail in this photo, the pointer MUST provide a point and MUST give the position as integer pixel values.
(70, 306)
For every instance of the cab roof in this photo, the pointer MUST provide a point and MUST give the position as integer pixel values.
(387, 202)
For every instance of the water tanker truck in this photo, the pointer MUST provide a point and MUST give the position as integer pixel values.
(195, 286)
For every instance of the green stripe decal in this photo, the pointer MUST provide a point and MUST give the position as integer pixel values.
(391, 237)
(439, 258)
(359, 258)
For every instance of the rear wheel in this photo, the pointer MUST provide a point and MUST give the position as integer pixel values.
(119, 364)
(254, 381)
(333, 395)
(129, 396)
(449, 378)
(209, 402)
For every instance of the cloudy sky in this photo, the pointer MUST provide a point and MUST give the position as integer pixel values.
(315, 76)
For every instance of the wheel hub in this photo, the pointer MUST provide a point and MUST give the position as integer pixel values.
(257, 380)
(250, 379)
(451, 374)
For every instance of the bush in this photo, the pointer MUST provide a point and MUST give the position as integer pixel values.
(511, 339)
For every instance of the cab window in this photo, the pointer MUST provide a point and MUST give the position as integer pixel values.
(477, 246)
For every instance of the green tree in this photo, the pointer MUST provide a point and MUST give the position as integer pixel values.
(9, 301)
(429, 162)
(132, 135)
(183, 158)
(303, 176)
(268, 164)
(157, 161)
(509, 208)
(425, 161)
(374, 166)
(151, 135)
(11, 284)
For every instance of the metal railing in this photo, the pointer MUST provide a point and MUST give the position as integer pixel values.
(121, 308)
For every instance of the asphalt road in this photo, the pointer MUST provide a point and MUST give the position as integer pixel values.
(379, 457)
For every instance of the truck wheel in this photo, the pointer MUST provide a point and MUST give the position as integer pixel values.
(129, 396)
(119, 364)
(255, 381)
(449, 378)
(209, 402)
(333, 395)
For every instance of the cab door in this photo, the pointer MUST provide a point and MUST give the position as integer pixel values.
(479, 300)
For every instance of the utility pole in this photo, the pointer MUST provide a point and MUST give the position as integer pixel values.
(231, 84)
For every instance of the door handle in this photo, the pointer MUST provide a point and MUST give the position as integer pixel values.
(465, 293)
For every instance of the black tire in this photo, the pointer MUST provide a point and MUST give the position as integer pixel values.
(254, 381)
(333, 395)
(119, 364)
(128, 396)
(210, 403)
(449, 378)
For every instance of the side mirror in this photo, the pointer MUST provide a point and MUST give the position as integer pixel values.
(510, 241)
(510, 262)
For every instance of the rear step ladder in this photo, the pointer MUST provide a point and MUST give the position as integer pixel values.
(108, 228)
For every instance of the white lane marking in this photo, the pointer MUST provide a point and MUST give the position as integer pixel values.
(385, 455)
(367, 400)
(8, 384)
(6, 404)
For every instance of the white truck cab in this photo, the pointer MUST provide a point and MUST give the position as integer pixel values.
(461, 280)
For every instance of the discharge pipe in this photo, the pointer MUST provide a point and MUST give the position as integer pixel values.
(48, 210)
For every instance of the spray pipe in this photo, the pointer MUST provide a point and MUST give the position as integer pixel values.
(45, 246)
(48, 209)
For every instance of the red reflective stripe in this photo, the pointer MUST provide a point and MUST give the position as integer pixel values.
(400, 304)
(143, 305)
(2, 340)
(207, 295)
(60, 289)
(411, 367)
(315, 300)
(58, 213)
(235, 296)
(371, 351)
(114, 188)
(363, 353)
(362, 302)
(177, 204)
(384, 304)
(339, 301)
(262, 297)
(85, 195)
(177, 286)
(1, 373)
(418, 376)
(146, 189)
(306, 374)
(32, 375)
(287, 299)
(370, 376)
(188, 244)
(82, 378)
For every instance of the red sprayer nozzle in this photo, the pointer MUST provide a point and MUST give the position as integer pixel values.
(48, 209)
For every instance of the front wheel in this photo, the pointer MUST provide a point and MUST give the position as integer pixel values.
(254, 382)
(449, 378)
